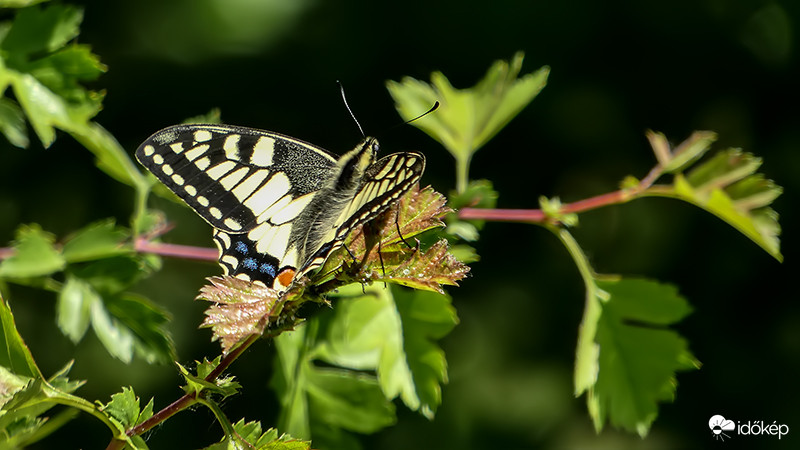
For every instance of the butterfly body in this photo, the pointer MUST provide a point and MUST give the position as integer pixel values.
(279, 206)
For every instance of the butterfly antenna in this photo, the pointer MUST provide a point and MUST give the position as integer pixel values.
(344, 99)
(433, 108)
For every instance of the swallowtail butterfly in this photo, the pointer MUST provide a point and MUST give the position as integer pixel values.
(279, 206)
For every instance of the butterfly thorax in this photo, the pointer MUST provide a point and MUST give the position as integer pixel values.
(317, 224)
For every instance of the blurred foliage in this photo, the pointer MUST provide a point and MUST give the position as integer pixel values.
(675, 66)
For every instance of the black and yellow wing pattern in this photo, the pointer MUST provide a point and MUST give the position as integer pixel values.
(279, 206)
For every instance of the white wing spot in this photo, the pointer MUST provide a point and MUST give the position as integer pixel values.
(176, 147)
(190, 190)
(202, 135)
(263, 151)
(158, 159)
(292, 210)
(233, 224)
(196, 152)
(233, 178)
(149, 150)
(274, 241)
(231, 261)
(267, 213)
(274, 189)
(202, 200)
(384, 172)
(167, 169)
(231, 146)
(203, 163)
(220, 169)
(250, 184)
(177, 179)
(215, 212)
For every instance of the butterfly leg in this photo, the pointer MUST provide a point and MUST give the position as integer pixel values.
(397, 225)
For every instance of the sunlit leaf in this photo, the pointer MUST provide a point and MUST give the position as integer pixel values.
(124, 407)
(393, 332)
(116, 338)
(313, 396)
(147, 322)
(249, 435)
(627, 357)
(34, 254)
(14, 354)
(427, 270)
(468, 118)
(95, 241)
(12, 123)
(73, 308)
(685, 154)
(728, 187)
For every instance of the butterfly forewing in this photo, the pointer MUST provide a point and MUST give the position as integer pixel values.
(274, 201)
(231, 175)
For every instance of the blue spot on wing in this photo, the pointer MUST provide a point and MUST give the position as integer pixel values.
(241, 247)
(249, 263)
(268, 269)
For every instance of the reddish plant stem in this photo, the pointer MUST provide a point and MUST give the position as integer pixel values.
(188, 399)
(176, 250)
(539, 216)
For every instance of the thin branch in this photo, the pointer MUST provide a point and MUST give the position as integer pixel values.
(539, 216)
(176, 251)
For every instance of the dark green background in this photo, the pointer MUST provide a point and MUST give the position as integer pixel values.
(618, 68)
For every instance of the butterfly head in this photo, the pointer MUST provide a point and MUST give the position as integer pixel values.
(355, 162)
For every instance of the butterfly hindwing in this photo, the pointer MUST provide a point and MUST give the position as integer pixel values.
(384, 182)
(279, 206)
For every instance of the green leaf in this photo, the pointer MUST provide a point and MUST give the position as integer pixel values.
(14, 354)
(249, 435)
(12, 123)
(627, 358)
(426, 317)
(395, 335)
(290, 384)
(124, 408)
(111, 157)
(45, 29)
(73, 308)
(685, 154)
(468, 118)
(147, 322)
(314, 396)
(427, 270)
(19, 3)
(116, 338)
(34, 254)
(212, 116)
(24, 398)
(46, 110)
(112, 275)
(343, 399)
(728, 187)
(96, 241)
(196, 384)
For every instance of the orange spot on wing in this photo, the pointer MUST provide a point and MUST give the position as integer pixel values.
(285, 277)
